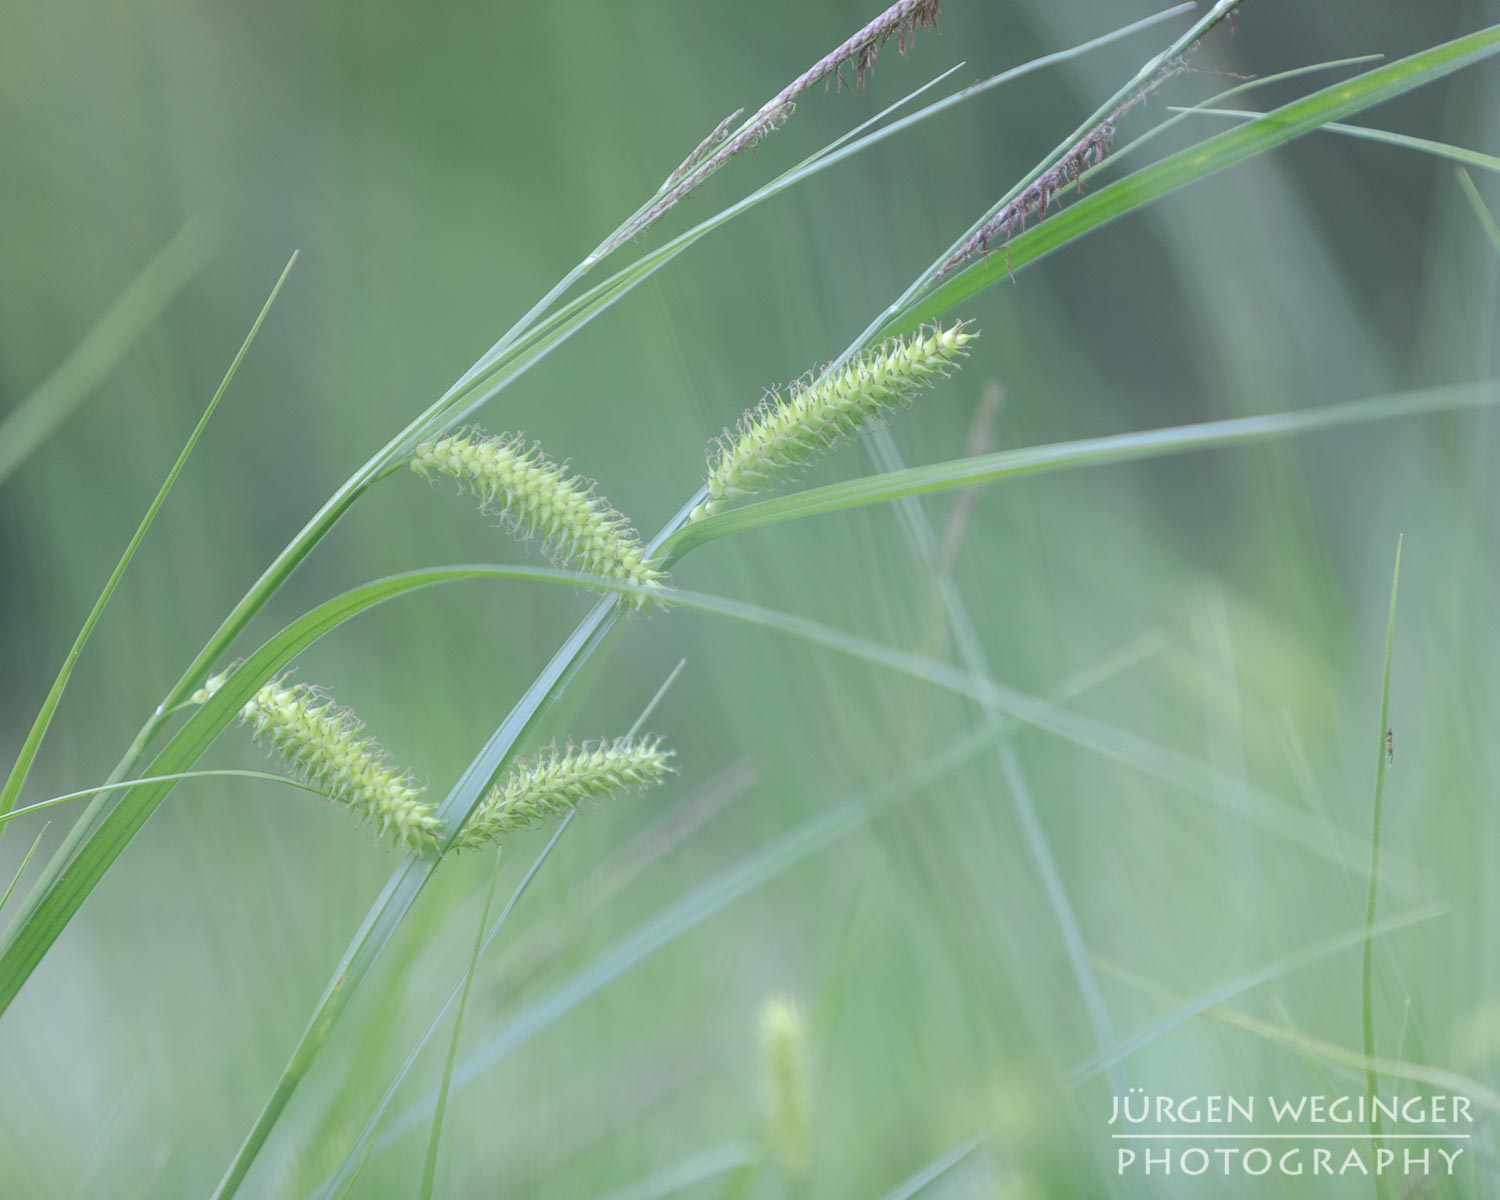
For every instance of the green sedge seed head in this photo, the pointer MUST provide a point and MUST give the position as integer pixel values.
(559, 780)
(210, 685)
(533, 496)
(789, 429)
(320, 743)
(786, 1070)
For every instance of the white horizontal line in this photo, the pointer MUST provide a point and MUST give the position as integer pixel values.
(1305, 1137)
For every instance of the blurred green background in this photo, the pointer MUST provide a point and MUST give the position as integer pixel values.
(439, 167)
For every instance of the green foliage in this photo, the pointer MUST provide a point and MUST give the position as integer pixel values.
(1184, 814)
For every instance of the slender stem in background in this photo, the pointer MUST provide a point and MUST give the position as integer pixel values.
(1481, 212)
(1382, 761)
(28, 425)
(429, 1169)
(21, 870)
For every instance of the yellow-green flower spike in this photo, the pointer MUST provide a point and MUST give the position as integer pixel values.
(319, 743)
(559, 780)
(786, 1067)
(532, 495)
(818, 413)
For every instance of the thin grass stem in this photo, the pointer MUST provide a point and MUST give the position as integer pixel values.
(1382, 762)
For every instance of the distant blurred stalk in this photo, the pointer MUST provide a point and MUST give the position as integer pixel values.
(38, 416)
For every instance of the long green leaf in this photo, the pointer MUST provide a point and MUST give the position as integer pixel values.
(22, 766)
(1087, 452)
(1255, 137)
(1402, 141)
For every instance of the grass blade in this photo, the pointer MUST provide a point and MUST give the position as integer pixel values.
(429, 1167)
(27, 426)
(1088, 452)
(29, 937)
(401, 891)
(1481, 211)
(27, 941)
(935, 1170)
(692, 909)
(359, 1149)
(1255, 137)
(1269, 973)
(1382, 761)
(21, 870)
(22, 766)
(958, 752)
(264, 776)
(1402, 141)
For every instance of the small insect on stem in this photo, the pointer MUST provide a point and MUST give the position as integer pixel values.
(1390, 748)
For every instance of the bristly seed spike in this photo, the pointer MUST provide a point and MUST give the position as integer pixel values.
(820, 412)
(559, 780)
(320, 743)
(533, 495)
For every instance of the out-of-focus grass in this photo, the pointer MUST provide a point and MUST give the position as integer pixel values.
(438, 168)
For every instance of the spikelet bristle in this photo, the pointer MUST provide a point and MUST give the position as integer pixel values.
(561, 779)
(818, 413)
(533, 496)
(321, 744)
